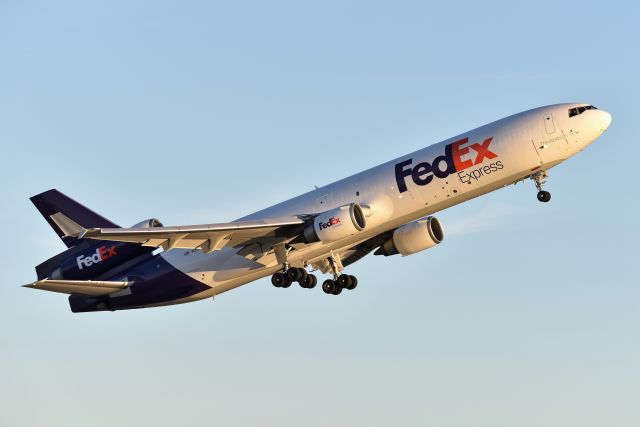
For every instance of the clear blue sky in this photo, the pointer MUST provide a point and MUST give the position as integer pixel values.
(527, 315)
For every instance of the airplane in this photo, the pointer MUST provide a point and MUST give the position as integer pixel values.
(387, 210)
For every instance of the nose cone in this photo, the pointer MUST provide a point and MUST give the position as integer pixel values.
(604, 120)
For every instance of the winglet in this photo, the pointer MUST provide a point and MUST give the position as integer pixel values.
(69, 227)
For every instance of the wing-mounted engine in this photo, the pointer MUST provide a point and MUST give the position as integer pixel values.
(335, 224)
(413, 237)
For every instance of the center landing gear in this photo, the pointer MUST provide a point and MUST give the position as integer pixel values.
(294, 274)
(539, 178)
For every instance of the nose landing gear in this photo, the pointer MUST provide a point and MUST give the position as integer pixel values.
(544, 196)
(539, 179)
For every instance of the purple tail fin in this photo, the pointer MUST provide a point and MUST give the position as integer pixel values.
(52, 201)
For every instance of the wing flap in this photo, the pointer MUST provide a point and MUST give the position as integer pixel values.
(86, 287)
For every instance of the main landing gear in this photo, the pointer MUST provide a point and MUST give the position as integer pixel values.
(340, 281)
(539, 178)
(294, 274)
(334, 286)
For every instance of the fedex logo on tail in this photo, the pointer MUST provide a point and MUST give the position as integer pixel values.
(458, 156)
(102, 253)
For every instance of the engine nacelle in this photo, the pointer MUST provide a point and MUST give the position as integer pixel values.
(148, 223)
(335, 224)
(413, 237)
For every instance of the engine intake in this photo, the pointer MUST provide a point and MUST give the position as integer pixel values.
(335, 224)
(413, 237)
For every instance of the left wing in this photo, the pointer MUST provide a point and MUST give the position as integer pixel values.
(207, 237)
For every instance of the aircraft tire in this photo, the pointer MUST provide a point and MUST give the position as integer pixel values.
(304, 274)
(294, 274)
(353, 284)
(544, 196)
(277, 280)
(344, 281)
(329, 286)
(309, 282)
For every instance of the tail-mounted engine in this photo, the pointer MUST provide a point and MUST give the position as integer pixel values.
(335, 224)
(148, 223)
(413, 237)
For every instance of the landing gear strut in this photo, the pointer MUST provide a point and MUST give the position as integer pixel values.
(539, 179)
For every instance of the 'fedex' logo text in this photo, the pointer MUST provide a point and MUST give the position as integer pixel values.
(332, 221)
(458, 156)
(101, 254)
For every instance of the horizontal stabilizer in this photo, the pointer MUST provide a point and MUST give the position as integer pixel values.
(85, 287)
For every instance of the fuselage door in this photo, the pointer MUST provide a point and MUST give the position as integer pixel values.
(548, 124)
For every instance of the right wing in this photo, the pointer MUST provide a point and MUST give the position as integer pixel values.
(86, 287)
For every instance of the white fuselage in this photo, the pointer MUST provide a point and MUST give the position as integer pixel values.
(401, 191)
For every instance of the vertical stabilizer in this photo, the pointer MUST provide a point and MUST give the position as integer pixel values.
(52, 203)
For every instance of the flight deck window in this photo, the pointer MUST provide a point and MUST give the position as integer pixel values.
(579, 110)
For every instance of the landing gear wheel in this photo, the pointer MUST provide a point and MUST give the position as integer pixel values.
(294, 274)
(286, 283)
(329, 286)
(544, 196)
(344, 280)
(353, 284)
(309, 282)
(337, 290)
(539, 178)
(278, 280)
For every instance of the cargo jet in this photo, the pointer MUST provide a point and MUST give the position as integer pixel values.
(387, 210)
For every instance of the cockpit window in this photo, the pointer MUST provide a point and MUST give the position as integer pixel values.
(579, 110)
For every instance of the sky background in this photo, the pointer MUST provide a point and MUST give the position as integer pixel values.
(528, 314)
